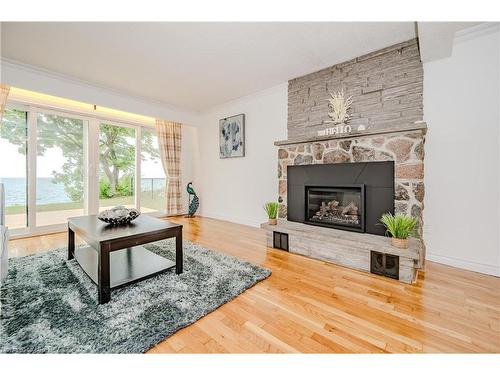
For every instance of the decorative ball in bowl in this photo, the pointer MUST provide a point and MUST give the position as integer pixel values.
(119, 215)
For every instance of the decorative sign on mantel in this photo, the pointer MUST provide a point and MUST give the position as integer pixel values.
(339, 106)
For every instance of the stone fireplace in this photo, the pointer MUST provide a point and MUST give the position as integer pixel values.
(334, 188)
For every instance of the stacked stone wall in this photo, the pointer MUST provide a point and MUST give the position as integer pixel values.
(386, 88)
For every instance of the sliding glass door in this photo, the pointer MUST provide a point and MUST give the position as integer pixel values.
(60, 168)
(13, 167)
(57, 165)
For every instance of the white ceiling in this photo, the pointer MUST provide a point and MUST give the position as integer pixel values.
(193, 65)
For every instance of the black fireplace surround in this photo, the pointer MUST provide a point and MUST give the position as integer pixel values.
(349, 196)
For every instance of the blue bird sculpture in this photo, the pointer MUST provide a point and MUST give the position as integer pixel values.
(194, 201)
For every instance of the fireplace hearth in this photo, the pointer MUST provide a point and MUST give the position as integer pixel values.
(339, 207)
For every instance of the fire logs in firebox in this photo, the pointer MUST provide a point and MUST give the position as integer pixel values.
(331, 211)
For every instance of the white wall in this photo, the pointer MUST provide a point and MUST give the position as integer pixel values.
(461, 108)
(236, 189)
(189, 160)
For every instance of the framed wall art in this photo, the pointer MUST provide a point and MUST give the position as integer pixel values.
(232, 137)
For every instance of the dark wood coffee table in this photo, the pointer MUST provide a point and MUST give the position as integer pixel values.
(115, 257)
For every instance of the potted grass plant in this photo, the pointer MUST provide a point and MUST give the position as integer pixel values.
(400, 227)
(272, 212)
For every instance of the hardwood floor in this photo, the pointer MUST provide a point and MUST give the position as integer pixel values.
(311, 306)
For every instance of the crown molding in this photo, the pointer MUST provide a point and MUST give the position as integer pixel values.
(73, 80)
(476, 31)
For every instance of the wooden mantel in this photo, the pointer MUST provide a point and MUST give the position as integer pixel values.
(421, 126)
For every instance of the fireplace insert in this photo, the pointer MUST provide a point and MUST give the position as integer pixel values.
(341, 207)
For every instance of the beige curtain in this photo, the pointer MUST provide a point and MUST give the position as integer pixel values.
(4, 92)
(169, 140)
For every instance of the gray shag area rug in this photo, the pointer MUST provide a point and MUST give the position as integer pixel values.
(49, 304)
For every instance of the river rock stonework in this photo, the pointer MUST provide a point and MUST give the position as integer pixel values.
(406, 149)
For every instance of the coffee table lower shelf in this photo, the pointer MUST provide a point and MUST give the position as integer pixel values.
(126, 265)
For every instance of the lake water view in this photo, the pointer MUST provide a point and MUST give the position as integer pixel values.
(48, 192)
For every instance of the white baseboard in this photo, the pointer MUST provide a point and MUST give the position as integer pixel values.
(465, 264)
(232, 218)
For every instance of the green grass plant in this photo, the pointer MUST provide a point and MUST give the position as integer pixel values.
(271, 209)
(399, 225)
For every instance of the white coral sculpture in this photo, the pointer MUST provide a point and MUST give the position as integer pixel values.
(339, 106)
